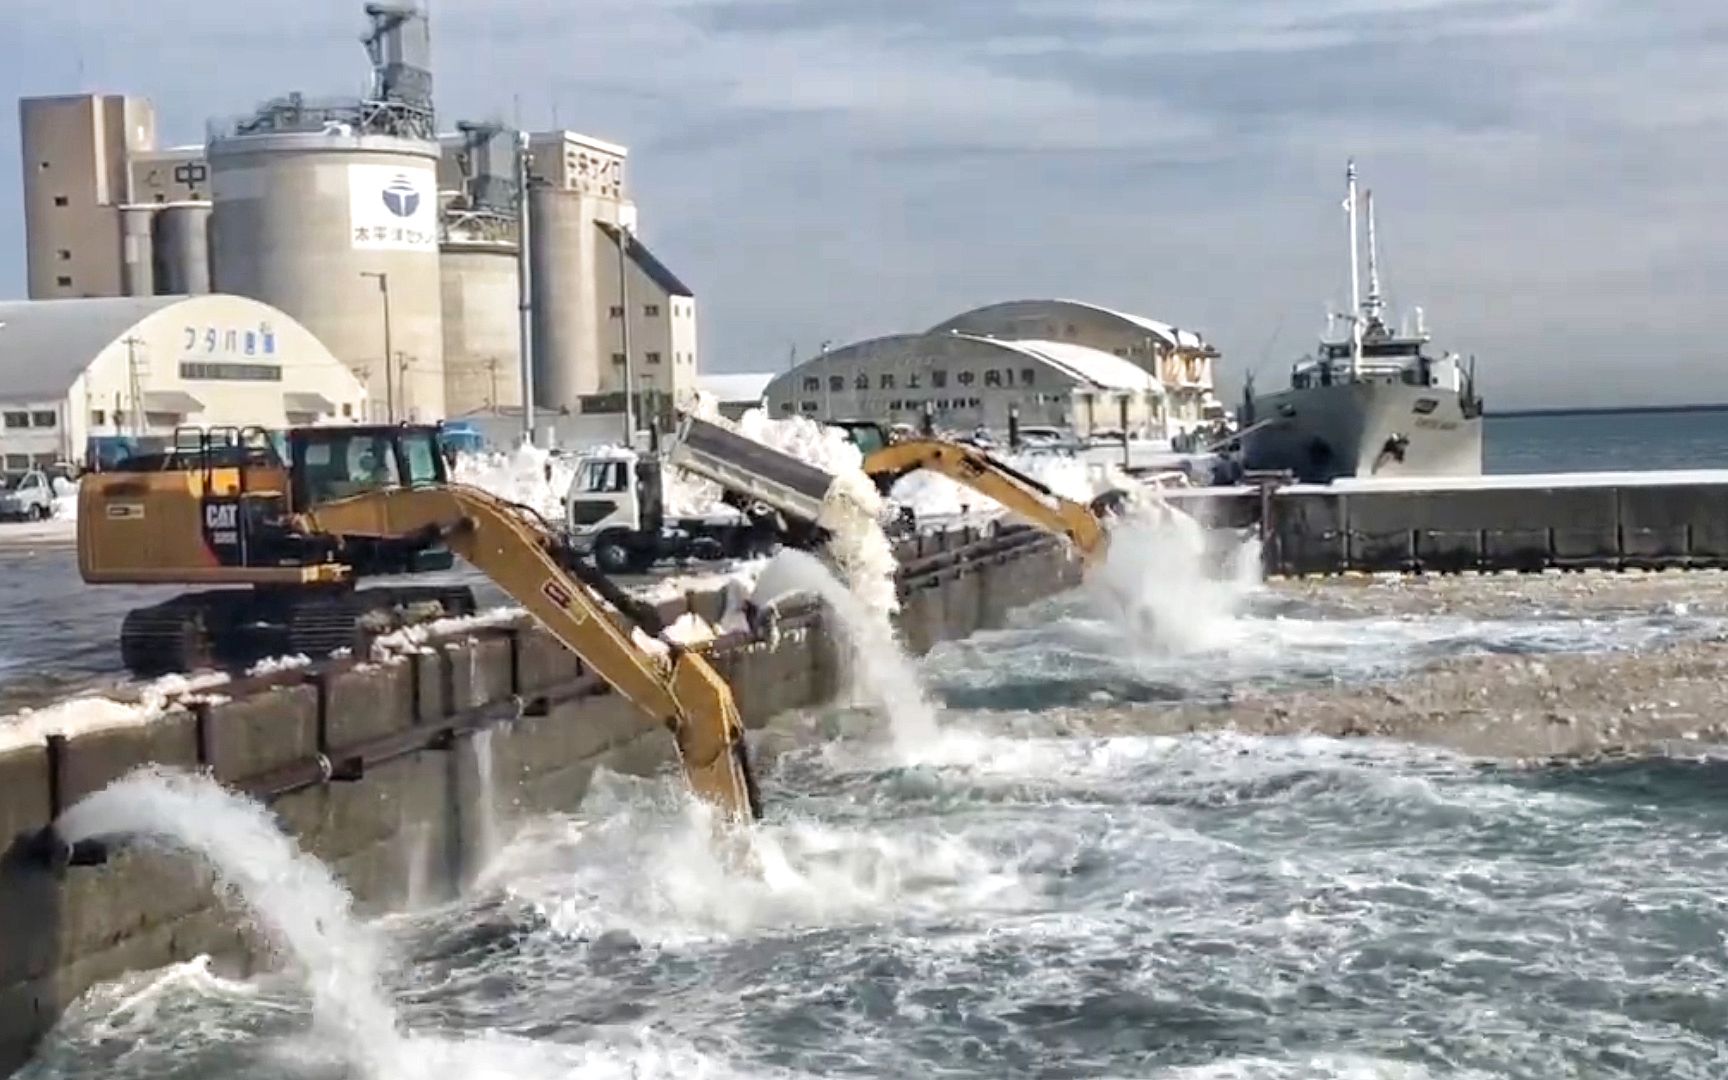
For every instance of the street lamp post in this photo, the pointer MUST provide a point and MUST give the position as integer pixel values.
(624, 330)
(389, 384)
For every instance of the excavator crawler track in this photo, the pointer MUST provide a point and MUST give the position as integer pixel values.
(233, 629)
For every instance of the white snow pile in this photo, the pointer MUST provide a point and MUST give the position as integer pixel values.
(272, 665)
(418, 638)
(91, 713)
(65, 499)
(527, 475)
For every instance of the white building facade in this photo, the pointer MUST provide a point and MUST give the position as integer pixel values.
(1056, 363)
(73, 370)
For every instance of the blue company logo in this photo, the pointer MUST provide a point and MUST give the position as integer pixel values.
(400, 197)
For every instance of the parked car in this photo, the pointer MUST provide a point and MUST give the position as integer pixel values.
(26, 496)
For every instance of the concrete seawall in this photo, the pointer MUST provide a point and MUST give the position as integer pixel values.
(375, 768)
(1642, 521)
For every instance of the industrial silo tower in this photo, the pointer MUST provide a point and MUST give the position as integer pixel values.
(330, 212)
(480, 271)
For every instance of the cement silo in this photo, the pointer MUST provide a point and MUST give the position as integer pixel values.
(339, 230)
(562, 275)
(137, 248)
(482, 340)
(182, 249)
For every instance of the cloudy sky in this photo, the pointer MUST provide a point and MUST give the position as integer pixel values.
(1550, 173)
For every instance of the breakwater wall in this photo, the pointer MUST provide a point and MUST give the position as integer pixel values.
(376, 768)
(1501, 523)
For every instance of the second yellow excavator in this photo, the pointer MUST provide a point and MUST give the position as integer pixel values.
(291, 526)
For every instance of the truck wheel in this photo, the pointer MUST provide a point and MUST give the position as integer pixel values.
(613, 557)
(36, 512)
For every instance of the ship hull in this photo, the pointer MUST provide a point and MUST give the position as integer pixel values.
(1364, 429)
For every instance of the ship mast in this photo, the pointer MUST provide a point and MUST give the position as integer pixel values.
(1375, 306)
(1355, 276)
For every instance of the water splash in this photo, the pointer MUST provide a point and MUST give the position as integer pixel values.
(1164, 580)
(292, 896)
(881, 670)
(488, 831)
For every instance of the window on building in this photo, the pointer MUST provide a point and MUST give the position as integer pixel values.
(938, 379)
(887, 381)
(17, 462)
(653, 358)
(787, 407)
(975, 403)
(808, 406)
(98, 417)
(967, 378)
(42, 165)
(161, 197)
(60, 200)
(1123, 353)
(64, 255)
(348, 409)
(1028, 376)
(64, 281)
(651, 310)
(894, 406)
(836, 383)
(862, 382)
(992, 378)
(812, 384)
(44, 418)
(914, 381)
(616, 311)
(617, 358)
(17, 419)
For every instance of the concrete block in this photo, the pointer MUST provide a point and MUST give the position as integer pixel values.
(1585, 545)
(1673, 523)
(1448, 550)
(364, 703)
(140, 889)
(23, 792)
(543, 661)
(30, 917)
(93, 760)
(28, 1010)
(478, 672)
(1308, 533)
(335, 820)
(263, 731)
(1516, 549)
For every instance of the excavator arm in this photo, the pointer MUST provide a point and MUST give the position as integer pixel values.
(681, 690)
(1016, 491)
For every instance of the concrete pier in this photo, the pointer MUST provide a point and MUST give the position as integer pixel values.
(1612, 521)
(373, 768)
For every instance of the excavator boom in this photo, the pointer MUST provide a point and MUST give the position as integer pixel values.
(1019, 493)
(682, 690)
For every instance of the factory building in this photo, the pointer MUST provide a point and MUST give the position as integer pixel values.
(596, 284)
(1058, 363)
(398, 246)
(74, 370)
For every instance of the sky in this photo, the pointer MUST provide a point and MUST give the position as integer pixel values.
(1548, 173)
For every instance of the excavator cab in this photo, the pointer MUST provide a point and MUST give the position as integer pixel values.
(333, 464)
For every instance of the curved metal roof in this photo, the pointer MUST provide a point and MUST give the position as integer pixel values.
(1164, 331)
(46, 344)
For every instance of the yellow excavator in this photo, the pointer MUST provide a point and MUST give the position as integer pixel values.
(289, 522)
(992, 477)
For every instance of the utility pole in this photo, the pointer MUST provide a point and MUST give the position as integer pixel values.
(135, 384)
(389, 351)
(402, 362)
(524, 283)
(624, 330)
(492, 383)
(827, 385)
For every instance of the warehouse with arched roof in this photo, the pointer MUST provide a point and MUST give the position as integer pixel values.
(74, 371)
(966, 381)
(1059, 363)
